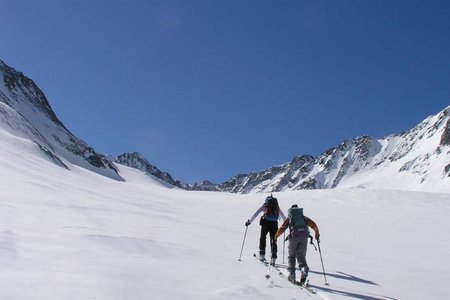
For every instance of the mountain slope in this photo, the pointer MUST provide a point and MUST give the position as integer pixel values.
(136, 161)
(26, 112)
(77, 235)
(418, 159)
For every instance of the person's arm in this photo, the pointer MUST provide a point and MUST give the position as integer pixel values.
(256, 214)
(283, 217)
(282, 228)
(310, 223)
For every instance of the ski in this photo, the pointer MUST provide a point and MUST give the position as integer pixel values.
(282, 275)
(297, 283)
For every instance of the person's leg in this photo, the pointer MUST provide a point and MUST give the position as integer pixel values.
(262, 239)
(301, 258)
(273, 227)
(292, 253)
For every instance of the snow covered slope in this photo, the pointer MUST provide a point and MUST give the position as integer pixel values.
(26, 113)
(415, 160)
(80, 235)
(418, 159)
(69, 229)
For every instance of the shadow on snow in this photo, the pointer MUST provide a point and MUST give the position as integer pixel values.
(350, 294)
(345, 276)
(339, 275)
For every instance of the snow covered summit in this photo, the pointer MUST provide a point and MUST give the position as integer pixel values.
(26, 113)
(80, 235)
(418, 159)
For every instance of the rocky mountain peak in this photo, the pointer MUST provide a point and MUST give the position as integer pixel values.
(30, 116)
(137, 161)
(18, 83)
(412, 154)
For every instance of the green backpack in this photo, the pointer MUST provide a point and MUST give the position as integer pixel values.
(296, 218)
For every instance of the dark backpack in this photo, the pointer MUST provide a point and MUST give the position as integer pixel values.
(296, 218)
(271, 207)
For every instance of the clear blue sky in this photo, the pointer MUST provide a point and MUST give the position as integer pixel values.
(209, 89)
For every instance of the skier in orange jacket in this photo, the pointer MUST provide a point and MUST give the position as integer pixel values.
(298, 240)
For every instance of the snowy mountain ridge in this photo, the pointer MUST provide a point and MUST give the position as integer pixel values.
(77, 235)
(419, 157)
(26, 112)
(137, 161)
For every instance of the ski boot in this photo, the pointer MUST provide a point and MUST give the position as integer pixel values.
(272, 261)
(291, 278)
(303, 277)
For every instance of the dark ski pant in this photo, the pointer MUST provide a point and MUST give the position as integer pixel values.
(297, 250)
(270, 227)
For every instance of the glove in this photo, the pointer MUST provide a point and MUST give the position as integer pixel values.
(318, 237)
(247, 223)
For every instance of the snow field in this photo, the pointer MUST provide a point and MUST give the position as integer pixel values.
(78, 235)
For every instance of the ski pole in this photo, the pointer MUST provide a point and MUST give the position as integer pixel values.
(269, 268)
(312, 242)
(242, 248)
(323, 268)
(284, 244)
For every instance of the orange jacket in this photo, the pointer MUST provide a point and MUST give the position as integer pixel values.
(309, 223)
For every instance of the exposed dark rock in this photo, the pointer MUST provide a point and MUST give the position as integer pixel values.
(135, 160)
(445, 137)
(310, 184)
(447, 170)
(53, 157)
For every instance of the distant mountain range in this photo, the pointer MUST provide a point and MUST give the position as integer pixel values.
(137, 161)
(418, 159)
